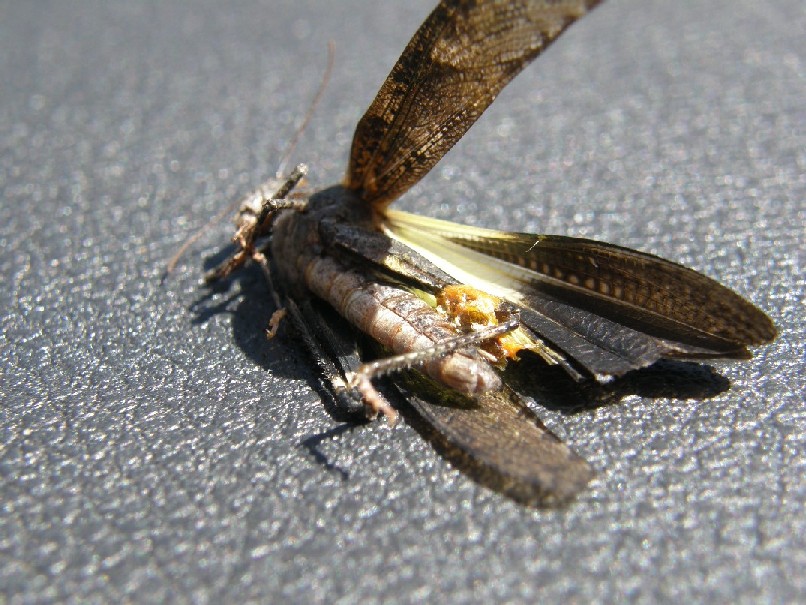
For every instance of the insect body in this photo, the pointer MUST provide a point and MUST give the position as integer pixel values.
(395, 317)
(459, 302)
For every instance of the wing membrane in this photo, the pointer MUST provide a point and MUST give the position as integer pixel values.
(634, 285)
(611, 308)
(500, 442)
(452, 69)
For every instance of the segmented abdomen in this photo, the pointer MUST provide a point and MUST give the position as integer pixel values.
(398, 320)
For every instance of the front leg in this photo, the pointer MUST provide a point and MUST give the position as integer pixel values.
(254, 219)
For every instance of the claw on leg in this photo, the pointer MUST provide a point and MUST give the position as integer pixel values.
(274, 322)
(374, 402)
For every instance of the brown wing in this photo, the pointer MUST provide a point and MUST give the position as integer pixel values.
(464, 53)
(498, 441)
(633, 288)
(610, 308)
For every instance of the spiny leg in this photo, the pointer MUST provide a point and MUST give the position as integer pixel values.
(255, 210)
(361, 379)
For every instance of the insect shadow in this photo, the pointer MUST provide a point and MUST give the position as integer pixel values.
(544, 386)
(250, 305)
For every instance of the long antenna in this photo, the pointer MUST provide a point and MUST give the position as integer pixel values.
(284, 158)
(292, 144)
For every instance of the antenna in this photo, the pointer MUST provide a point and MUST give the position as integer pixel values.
(284, 158)
(292, 144)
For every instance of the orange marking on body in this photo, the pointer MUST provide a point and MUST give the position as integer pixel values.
(470, 309)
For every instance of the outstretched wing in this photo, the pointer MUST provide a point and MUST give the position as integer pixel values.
(609, 308)
(464, 53)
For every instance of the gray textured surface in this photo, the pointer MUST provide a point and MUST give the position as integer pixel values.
(155, 446)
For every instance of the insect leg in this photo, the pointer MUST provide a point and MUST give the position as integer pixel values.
(335, 352)
(361, 379)
(333, 349)
(254, 214)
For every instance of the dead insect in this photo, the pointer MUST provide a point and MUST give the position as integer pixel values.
(459, 302)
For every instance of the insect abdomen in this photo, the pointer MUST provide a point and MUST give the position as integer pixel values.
(398, 320)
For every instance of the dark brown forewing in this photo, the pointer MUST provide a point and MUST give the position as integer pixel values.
(464, 53)
(646, 292)
(499, 442)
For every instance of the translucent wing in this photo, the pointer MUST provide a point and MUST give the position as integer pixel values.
(610, 308)
(452, 69)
